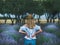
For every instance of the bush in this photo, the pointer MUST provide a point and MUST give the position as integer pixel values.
(1, 31)
(16, 28)
(50, 30)
(16, 37)
(57, 33)
(13, 34)
(41, 40)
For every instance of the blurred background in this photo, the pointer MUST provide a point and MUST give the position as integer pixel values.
(45, 12)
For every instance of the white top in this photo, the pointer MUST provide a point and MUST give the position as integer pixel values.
(29, 31)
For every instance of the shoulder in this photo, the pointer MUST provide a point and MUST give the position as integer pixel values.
(37, 26)
(23, 26)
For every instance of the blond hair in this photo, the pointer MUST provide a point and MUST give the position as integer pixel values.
(30, 21)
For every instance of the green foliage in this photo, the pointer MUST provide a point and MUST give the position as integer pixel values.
(1, 31)
(17, 28)
(16, 37)
(20, 6)
(57, 33)
(42, 39)
(50, 30)
(51, 6)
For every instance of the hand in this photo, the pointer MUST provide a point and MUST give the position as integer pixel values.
(27, 35)
(33, 35)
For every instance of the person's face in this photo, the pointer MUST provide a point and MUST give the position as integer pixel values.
(30, 21)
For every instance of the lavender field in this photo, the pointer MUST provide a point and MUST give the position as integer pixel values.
(9, 35)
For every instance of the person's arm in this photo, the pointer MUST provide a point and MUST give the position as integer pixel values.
(37, 32)
(22, 32)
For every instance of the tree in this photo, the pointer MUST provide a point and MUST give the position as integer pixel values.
(51, 8)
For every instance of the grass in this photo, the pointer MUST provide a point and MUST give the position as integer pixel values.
(42, 39)
(1, 31)
(57, 33)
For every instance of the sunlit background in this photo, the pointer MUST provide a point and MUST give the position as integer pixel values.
(45, 12)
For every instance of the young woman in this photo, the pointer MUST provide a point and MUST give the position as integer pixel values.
(30, 29)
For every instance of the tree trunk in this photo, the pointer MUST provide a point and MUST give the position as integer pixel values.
(38, 20)
(53, 20)
(48, 20)
(5, 21)
(16, 19)
(58, 21)
(58, 18)
(12, 20)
